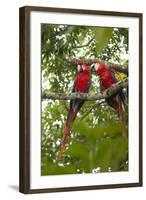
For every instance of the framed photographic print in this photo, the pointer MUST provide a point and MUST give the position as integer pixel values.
(80, 99)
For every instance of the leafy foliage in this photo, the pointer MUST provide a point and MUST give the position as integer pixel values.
(96, 143)
(102, 35)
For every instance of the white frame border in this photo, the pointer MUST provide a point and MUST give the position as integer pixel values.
(38, 182)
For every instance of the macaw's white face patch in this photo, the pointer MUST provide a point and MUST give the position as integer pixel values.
(79, 68)
(96, 66)
(83, 67)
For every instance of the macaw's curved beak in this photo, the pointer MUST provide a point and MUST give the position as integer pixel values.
(79, 68)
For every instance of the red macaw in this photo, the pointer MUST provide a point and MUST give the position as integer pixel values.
(82, 84)
(107, 79)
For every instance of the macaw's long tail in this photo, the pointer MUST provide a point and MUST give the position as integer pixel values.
(67, 129)
(121, 114)
(118, 104)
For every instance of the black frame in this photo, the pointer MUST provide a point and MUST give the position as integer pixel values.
(24, 98)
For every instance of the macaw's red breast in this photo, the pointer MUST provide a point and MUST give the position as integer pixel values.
(83, 80)
(101, 69)
(105, 77)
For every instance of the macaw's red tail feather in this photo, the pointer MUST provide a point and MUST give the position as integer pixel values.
(61, 152)
(64, 141)
(121, 111)
(70, 120)
(118, 105)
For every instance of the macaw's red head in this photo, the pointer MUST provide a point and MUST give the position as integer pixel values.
(99, 68)
(82, 67)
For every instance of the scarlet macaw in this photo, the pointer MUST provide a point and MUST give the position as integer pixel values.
(107, 79)
(82, 84)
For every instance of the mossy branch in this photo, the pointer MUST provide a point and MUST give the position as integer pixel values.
(115, 88)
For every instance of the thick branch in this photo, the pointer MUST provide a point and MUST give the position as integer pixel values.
(117, 67)
(88, 97)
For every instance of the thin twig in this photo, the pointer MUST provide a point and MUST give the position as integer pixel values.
(86, 113)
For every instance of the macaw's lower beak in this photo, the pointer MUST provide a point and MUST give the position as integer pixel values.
(81, 69)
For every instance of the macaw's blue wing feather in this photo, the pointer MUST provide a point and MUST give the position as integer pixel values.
(122, 96)
(114, 77)
(121, 93)
(74, 86)
(88, 86)
(77, 104)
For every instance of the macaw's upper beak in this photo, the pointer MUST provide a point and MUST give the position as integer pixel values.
(79, 68)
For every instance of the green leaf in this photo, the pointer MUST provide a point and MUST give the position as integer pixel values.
(111, 129)
(81, 154)
(111, 153)
(102, 36)
(92, 142)
(49, 168)
(78, 150)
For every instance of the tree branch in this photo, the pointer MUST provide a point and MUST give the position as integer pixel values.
(117, 67)
(88, 97)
